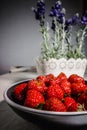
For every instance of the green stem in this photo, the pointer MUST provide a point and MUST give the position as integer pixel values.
(45, 38)
(82, 38)
(56, 35)
(63, 37)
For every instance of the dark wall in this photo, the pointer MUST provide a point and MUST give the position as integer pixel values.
(20, 38)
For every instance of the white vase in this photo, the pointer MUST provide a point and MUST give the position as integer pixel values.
(54, 66)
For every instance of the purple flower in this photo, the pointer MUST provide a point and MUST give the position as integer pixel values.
(84, 18)
(40, 4)
(75, 19)
(68, 22)
(40, 12)
(54, 12)
(58, 5)
(57, 10)
(71, 21)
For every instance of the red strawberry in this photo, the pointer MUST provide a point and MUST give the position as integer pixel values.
(37, 85)
(20, 92)
(70, 103)
(82, 99)
(54, 104)
(66, 87)
(54, 91)
(45, 79)
(78, 88)
(50, 76)
(34, 98)
(55, 81)
(62, 76)
(74, 78)
(42, 78)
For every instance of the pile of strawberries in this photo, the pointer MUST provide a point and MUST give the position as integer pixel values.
(47, 92)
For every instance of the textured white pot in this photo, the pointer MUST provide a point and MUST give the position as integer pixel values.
(54, 66)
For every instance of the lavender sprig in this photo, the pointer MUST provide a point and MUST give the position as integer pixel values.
(60, 43)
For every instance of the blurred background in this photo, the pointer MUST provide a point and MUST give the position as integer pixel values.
(20, 39)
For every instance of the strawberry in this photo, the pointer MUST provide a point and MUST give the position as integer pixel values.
(50, 76)
(19, 92)
(70, 103)
(66, 87)
(82, 99)
(54, 91)
(74, 78)
(78, 88)
(55, 81)
(61, 76)
(34, 98)
(42, 78)
(37, 85)
(45, 79)
(54, 104)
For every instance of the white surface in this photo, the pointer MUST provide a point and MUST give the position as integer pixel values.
(8, 79)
